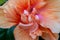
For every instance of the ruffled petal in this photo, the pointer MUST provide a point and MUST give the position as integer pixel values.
(3, 22)
(51, 16)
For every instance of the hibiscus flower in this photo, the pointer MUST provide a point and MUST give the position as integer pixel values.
(36, 17)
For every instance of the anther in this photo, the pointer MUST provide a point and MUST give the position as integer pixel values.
(26, 12)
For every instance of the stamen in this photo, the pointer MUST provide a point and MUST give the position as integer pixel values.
(34, 10)
(26, 12)
(29, 18)
(37, 17)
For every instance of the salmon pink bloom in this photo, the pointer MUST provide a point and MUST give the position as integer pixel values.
(37, 17)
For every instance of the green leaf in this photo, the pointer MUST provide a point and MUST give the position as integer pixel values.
(7, 34)
(2, 2)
